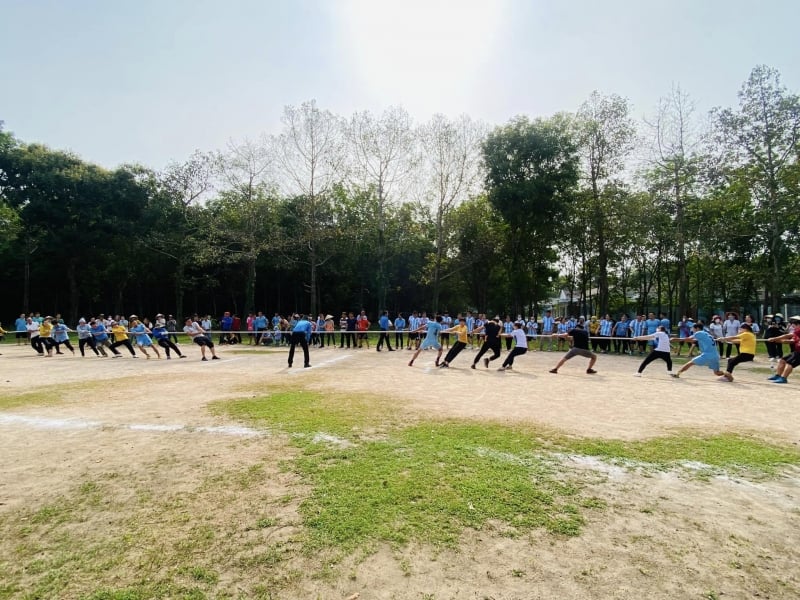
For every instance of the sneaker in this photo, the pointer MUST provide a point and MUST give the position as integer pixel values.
(472, 366)
(676, 375)
(591, 372)
(553, 371)
(204, 358)
(306, 366)
(502, 369)
(411, 363)
(444, 365)
(215, 358)
(486, 362)
(509, 368)
(781, 380)
(637, 374)
(774, 378)
(183, 356)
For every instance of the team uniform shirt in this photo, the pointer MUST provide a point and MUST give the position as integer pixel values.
(99, 332)
(160, 333)
(651, 325)
(621, 329)
(399, 324)
(84, 331)
(747, 342)
(432, 336)
(142, 339)
(383, 323)
(119, 332)
(637, 327)
(709, 356)
(563, 327)
(470, 324)
(605, 327)
(665, 324)
(508, 327)
(533, 327)
(547, 324)
(60, 333)
(303, 326)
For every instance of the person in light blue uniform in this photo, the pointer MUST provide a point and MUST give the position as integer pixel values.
(433, 328)
(61, 337)
(606, 327)
(21, 328)
(301, 334)
(143, 341)
(708, 357)
(547, 331)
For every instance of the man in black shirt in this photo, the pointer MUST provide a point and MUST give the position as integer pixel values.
(579, 338)
(491, 342)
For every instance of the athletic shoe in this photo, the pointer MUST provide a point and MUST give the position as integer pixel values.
(183, 356)
(215, 358)
(637, 374)
(502, 369)
(591, 372)
(781, 380)
(472, 366)
(204, 358)
(774, 377)
(411, 363)
(676, 375)
(306, 366)
(486, 362)
(553, 371)
(443, 366)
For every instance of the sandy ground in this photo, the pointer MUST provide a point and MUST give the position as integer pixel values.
(662, 536)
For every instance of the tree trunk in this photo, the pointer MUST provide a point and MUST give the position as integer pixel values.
(74, 290)
(250, 286)
(180, 270)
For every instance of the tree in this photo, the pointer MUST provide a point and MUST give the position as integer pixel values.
(531, 174)
(383, 150)
(311, 154)
(675, 166)
(450, 174)
(760, 145)
(175, 209)
(244, 222)
(605, 133)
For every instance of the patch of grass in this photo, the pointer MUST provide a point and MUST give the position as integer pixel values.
(428, 482)
(726, 451)
(307, 413)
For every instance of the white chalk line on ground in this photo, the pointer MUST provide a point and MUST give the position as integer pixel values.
(324, 363)
(77, 424)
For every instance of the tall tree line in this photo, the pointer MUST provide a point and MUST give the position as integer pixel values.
(677, 213)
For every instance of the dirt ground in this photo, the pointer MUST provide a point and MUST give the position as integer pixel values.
(663, 534)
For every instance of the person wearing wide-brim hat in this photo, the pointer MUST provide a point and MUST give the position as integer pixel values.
(730, 329)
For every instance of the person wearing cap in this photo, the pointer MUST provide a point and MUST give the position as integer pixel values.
(580, 347)
(790, 361)
(85, 338)
(301, 334)
(730, 329)
(161, 336)
(491, 341)
(746, 342)
(329, 335)
(594, 332)
(708, 356)
(198, 335)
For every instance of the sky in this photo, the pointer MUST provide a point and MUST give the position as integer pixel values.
(151, 81)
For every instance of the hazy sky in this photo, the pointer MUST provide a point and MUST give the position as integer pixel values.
(151, 81)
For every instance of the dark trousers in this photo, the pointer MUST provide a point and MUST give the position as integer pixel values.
(398, 339)
(739, 358)
(298, 337)
(65, 343)
(83, 342)
(36, 344)
(494, 346)
(655, 354)
(519, 350)
(167, 345)
(729, 348)
(453, 352)
(620, 345)
(384, 336)
(774, 350)
(126, 343)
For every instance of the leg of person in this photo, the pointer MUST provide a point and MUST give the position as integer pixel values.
(647, 360)
(165, 344)
(306, 358)
(592, 360)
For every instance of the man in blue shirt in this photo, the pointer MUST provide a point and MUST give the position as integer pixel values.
(547, 331)
(399, 327)
(301, 333)
(383, 325)
(708, 357)
(433, 327)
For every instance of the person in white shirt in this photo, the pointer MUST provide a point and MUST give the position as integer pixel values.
(520, 345)
(199, 337)
(660, 350)
(730, 328)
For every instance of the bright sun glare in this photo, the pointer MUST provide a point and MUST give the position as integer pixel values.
(425, 54)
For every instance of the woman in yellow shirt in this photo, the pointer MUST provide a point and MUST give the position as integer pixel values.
(460, 329)
(746, 340)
